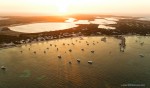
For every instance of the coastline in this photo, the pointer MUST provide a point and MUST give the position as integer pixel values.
(123, 27)
(19, 45)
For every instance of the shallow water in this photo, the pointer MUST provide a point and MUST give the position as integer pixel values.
(145, 18)
(69, 23)
(106, 27)
(82, 22)
(69, 20)
(3, 18)
(43, 27)
(112, 19)
(110, 69)
(104, 21)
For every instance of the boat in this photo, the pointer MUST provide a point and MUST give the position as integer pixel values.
(92, 51)
(141, 55)
(142, 43)
(70, 50)
(34, 52)
(3, 67)
(59, 56)
(78, 60)
(90, 62)
(70, 62)
(82, 49)
(103, 39)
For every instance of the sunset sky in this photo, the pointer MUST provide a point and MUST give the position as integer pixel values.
(65, 7)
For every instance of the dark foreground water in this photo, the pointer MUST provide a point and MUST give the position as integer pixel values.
(111, 67)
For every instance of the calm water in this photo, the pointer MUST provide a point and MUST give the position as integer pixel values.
(70, 20)
(2, 18)
(110, 69)
(106, 27)
(69, 23)
(82, 22)
(145, 18)
(112, 19)
(103, 21)
(42, 27)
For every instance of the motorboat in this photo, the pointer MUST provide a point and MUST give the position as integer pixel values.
(90, 62)
(3, 67)
(59, 56)
(78, 60)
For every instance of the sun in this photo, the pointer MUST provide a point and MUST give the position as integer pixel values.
(63, 9)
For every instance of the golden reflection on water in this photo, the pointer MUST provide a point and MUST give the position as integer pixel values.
(44, 69)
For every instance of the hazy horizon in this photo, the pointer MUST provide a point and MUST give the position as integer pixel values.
(64, 7)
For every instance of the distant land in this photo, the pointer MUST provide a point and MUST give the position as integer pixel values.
(126, 26)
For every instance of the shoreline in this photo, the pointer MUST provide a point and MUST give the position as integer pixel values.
(123, 27)
(19, 45)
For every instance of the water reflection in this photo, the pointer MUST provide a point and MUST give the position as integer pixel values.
(70, 20)
(112, 19)
(40, 27)
(103, 21)
(122, 44)
(69, 23)
(82, 22)
(106, 27)
(2, 18)
(109, 68)
(145, 18)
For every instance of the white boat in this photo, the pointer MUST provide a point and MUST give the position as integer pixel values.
(78, 60)
(90, 62)
(3, 67)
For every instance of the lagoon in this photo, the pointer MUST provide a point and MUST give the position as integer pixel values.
(69, 23)
(42, 27)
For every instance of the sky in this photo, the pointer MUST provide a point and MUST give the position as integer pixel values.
(66, 7)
